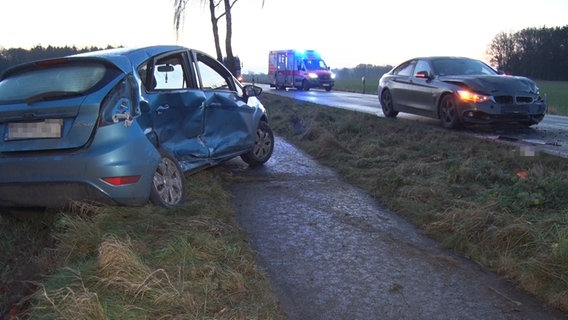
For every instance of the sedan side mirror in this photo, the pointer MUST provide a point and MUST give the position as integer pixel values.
(422, 75)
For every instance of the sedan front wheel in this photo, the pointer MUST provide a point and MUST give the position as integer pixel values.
(449, 112)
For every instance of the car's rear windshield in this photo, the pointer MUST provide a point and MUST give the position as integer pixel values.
(68, 79)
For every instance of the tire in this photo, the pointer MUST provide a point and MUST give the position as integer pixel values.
(448, 112)
(305, 85)
(328, 89)
(168, 185)
(263, 146)
(387, 104)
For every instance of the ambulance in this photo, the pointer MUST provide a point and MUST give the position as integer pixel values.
(300, 69)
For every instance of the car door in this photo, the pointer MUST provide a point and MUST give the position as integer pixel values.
(402, 86)
(229, 123)
(176, 109)
(420, 91)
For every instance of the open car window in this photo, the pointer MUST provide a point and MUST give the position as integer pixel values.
(214, 76)
(166, 73)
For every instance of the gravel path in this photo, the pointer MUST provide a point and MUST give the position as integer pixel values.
(332, 252)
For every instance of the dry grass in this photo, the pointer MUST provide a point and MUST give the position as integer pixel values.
(151, 263)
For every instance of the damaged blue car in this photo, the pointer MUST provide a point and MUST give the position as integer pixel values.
(123, 126)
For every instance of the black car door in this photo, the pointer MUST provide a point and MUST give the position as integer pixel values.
(420, 91)
(402, 86)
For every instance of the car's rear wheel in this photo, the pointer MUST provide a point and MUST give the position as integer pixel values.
(263, 146)
(448, 112)
(387, 104)
(168, 185)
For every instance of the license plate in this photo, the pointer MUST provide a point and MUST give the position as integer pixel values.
(49, 128)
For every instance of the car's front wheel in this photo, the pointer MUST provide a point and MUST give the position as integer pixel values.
(168, 185)
(263, 146)
(449, 112)
(387, 104)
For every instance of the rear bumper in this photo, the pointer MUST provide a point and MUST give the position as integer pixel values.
(52, 179)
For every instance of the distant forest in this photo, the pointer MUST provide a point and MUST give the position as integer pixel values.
(538, 53)
(15, 56)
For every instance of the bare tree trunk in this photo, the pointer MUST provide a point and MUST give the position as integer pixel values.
(228, 37)
(214, 24)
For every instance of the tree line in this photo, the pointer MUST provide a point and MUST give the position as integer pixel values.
(540, 53)
(14, 56)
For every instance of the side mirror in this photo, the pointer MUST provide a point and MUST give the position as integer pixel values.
(251, 90)
(422, 75)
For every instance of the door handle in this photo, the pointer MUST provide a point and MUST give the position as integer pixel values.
(160, 109)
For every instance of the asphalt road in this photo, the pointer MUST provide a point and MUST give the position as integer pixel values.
(550, 136)
(332, 252)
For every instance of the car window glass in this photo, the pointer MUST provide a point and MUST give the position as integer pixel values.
(405, 70)
(447, 67)
(210, 78)
(315, 64)
(213, 74)
(422, 66)
(169, 73)
(68, 78)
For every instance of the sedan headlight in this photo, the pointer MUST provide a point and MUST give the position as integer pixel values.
(472, 96)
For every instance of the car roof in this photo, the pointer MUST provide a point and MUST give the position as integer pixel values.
(123, 58)
(126, 57)
(442, 57)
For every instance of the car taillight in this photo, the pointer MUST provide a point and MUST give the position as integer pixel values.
(119, 104)
(122, 180)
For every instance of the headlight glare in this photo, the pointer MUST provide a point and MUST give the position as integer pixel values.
(472, 96)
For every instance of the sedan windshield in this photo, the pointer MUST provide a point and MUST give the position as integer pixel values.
(454, 67)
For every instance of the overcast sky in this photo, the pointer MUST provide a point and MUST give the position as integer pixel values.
(346, 33)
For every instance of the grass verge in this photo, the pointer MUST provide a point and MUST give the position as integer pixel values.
(506, 211)
(145, 263)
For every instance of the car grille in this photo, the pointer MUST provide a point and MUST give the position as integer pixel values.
(324, 77)
(515, 109)
(513, 99)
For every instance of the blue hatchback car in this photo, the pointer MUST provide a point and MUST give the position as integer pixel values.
(122, 126)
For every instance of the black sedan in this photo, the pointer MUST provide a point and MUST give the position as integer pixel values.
(459, 91)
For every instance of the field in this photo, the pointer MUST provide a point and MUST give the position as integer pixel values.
(557, 93)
